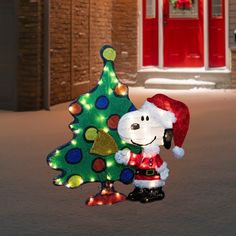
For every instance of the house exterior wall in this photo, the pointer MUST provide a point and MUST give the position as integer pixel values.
(78, 29)
(100, 34)
(79, 46)
(125, 38)
(232, 39)
(29, 79)
(233, 67)
(60, 51)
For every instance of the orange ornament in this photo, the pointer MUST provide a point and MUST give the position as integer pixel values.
(75, 109)
(121, 90)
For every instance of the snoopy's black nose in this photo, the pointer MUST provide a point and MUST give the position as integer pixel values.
(135, 126)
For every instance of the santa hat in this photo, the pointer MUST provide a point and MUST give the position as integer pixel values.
(171, 114)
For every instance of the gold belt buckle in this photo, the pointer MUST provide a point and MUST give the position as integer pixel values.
(150, 172)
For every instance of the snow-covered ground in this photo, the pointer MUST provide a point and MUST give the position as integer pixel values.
(200, 191)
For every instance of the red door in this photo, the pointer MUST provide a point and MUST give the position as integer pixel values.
(150, 32)
(183, 35)
(216, 33)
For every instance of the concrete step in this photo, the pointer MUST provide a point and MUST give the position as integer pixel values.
(221, 77)
(163, 83)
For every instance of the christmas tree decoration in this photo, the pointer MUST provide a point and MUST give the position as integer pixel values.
(182, 4)
(89, 156)
(158, 121)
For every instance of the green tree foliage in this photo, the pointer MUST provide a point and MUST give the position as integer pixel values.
(89, 156)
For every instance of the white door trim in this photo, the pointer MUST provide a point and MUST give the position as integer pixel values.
(140, 35)
(160, 35)
(227, 49)
(205, 35)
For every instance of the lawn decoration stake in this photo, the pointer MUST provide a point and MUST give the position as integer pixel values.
(89, 156)
(154, 124)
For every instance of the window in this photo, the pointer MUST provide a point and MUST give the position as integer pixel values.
(150, 9)
(216, 8)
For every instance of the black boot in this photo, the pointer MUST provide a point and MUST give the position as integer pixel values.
(154, 194)
(136, 195)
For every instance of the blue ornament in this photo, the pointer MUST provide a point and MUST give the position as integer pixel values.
(74, 156)
(102, 102)
(132, 108)
(126, 176)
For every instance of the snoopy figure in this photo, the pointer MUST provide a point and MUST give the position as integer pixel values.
(158, 121)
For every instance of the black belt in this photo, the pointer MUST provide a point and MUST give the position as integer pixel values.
(149, 172)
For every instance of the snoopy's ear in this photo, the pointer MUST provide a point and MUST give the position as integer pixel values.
(167, 138)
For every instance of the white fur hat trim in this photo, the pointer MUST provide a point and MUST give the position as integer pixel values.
(166, 118)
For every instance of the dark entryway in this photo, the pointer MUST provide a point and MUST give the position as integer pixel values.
(8, 54)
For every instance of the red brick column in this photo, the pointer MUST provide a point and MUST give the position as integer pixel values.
(125, 37)
(233, 68)
(80, 47)
(29, 81)
(60, 51)
(100, 34)
(78, 30)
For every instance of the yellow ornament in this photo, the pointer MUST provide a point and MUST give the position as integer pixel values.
(109, 54)
(91, 134)
(75, 181)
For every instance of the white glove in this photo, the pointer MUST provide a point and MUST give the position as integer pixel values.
(122, 157)
(163, 171)
(164, 174)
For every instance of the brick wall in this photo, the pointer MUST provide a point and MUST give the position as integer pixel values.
(124, 37)
(78, 29)
(80, 47)
(100, 34)
(233, 68)
(60, 50)
(232, 43)
(29, 81)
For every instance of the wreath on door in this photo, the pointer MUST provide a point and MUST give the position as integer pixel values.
(182, 4)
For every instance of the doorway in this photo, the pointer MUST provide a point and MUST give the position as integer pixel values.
(183, 35)
(193, 37)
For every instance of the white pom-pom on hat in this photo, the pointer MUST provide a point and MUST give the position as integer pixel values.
(178, 152)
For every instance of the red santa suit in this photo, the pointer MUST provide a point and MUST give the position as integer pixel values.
(151, 170)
